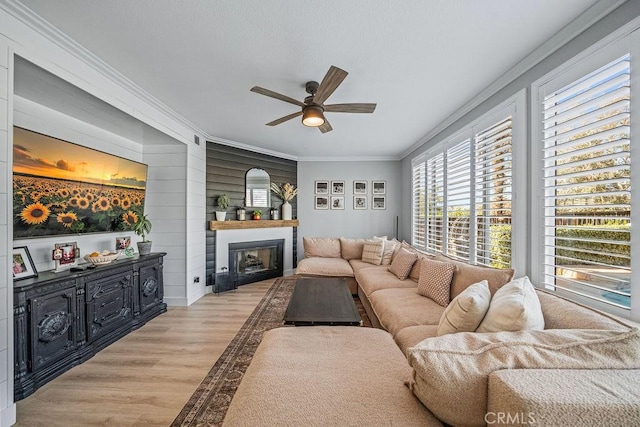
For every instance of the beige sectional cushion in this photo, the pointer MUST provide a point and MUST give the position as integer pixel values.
(376, 278)
(402, 263)
(514, 307)
(324, 247)
(411, 335)
(467, 274)
(317, 266)
(435, 280)
(351, 248)
(455, 368)
(358, 264)
(398, 308)
(372, 251)
(560, 313)
(466, 311)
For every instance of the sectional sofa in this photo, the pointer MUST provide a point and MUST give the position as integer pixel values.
(548, 361)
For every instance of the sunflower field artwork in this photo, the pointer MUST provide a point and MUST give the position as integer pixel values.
(63, 188)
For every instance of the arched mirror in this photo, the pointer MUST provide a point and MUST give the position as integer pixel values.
(257, 188)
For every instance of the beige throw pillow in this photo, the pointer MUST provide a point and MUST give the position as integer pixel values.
(402, 263)
(372, 251)
(387, 254)
(435, 280)
(466, 311)
(455, 368)
(514, 307)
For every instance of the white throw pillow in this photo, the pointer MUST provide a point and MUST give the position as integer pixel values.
(466, 311)
(372, 251)
(514, 307)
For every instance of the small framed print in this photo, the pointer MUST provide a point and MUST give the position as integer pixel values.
(337, 202)
(379, 202)
(359, 202)
(322, 202)
(322, 187)
(23, 266)
(337, 187)
(65, 255)
(359, 187)
(378, 187)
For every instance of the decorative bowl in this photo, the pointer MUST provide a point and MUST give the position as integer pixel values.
(100, 259)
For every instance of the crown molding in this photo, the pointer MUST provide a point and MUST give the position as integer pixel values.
(57, 37)
(253, 148)
(592, 15)
(351, 159)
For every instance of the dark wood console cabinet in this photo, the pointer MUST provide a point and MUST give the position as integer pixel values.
(63, 319)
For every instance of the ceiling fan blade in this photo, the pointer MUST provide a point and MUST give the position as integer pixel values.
(329, 83)
(326, 127)
(284, 119)
(276, 95)
(350, 108)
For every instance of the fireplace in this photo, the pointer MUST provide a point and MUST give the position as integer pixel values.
(254, 261)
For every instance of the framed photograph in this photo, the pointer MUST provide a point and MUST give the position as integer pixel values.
(337, 187)
(378, 187)
(322, 202)
(359, 187)
(122, 243)
(359, 202)
(23, 266)
(337, 202)
(322, 187)
(66, 255)
(379, 202)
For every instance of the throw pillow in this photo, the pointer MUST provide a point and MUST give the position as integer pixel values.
(455, 368)
(387, 254)
(514, 307)
(372, 251)
(466, 311)
(435, 280)
(402, 263)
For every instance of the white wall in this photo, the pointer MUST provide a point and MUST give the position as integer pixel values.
(28, 36)
(348, 222)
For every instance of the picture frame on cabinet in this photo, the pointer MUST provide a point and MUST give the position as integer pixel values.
(65, 255)
(379, 202)
(22, 264)
(322, 187)
(359, 202)
(359, 187)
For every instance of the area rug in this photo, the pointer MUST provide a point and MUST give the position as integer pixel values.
(209, 403)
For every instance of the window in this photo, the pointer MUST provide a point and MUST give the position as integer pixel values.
(586, 181)
(466, 183)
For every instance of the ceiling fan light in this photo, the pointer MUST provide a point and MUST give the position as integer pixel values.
(312, 116)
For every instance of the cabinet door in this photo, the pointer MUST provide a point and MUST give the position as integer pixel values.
(108, 303)
(52, 322)
(150, 289)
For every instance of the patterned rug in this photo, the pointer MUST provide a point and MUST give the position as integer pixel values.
(208, 404)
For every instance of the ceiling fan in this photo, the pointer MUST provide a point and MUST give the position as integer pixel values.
(313, 108)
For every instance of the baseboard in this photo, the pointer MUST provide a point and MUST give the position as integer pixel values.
(8, 416)
(176, 301)
(289, 272)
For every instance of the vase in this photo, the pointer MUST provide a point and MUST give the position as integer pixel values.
(286, 211)
(221, 215)
(144, 248)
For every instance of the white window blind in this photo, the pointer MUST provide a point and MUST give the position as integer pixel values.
(493, 188)
(434, 183)
(418, 205)
(458, 196)
(587, 181)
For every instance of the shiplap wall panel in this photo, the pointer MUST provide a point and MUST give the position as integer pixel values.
(226, 169)
(6, 362)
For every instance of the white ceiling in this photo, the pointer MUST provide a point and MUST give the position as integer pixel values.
(418, 60)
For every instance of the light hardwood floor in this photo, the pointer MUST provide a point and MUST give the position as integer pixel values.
(145, 378)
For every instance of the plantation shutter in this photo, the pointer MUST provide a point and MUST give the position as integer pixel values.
(418, 205)
(493, 187)
(587, 198)
(458, 196)
(434, 182)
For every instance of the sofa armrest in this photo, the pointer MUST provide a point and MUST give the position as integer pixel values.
(564, 397)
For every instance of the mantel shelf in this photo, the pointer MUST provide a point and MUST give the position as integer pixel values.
(262, 223)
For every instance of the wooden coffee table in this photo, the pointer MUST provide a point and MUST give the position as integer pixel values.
(321, 301)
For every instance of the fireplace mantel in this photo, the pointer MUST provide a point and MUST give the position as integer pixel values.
(243, 225)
